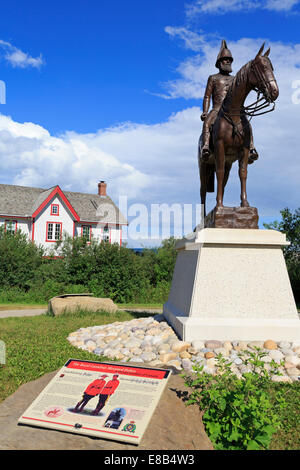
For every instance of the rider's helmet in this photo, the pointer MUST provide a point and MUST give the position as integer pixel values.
(224, 53)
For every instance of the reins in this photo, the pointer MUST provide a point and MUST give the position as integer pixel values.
(253, 109)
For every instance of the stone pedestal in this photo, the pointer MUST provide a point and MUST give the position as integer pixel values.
(231, 284)
(232, 217)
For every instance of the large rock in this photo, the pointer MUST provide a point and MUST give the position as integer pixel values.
(73, 302)
(173, 425)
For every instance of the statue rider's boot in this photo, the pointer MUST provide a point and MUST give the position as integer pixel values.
(253, 155)
(205, 152)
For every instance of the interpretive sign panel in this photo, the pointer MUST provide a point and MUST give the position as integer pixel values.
(107, 400)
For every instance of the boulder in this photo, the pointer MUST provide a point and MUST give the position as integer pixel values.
(73, 302)
(270, 344)
(180, 346)
(209, 355)
(164, 432)
(212, 344)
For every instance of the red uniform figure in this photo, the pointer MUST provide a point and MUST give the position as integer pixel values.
(106, 392)
(92, 390)
(95, 387)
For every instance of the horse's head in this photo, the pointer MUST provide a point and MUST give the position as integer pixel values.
(262, 76)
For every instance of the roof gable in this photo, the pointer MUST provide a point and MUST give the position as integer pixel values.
(51, 194)
(29, 202)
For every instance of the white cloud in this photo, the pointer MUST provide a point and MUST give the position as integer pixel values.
(191, 39)
(158, 163)
(279, 5)
(273, 179)
(194, 71)
(30, 156)
(18, 58)
(147, 163)
(224, 6)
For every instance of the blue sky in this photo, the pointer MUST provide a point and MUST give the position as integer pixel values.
(101, 61)
(113, 90)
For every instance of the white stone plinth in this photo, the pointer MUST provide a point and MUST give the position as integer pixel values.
(232, 284)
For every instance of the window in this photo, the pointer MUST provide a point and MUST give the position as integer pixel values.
(57, 231)
(54, 209)
(10, 226)
(50, 232)
(106, 234)
(53, 231)
(86, 231)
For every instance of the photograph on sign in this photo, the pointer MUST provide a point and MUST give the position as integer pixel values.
(107, 400)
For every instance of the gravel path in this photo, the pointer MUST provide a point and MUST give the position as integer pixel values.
(22, 313)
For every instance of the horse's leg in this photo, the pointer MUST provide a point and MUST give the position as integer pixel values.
(226, 175)
(220, 170)
(243, 164)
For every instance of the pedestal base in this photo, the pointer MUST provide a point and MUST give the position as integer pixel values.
(232, 217)
(231, 284)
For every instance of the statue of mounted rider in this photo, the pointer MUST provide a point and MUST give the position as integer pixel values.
(227, 132)
(216, 89)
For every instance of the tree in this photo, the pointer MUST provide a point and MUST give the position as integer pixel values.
(290, 225)
(165, 260)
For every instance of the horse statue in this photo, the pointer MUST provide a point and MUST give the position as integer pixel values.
(230, 134)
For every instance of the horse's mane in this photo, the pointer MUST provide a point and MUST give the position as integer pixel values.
(241, 77)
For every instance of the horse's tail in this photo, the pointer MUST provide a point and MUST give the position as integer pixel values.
(207, 171)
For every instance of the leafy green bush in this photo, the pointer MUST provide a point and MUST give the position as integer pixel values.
(106, 269)
(100, 268)
(19, 260)
(238, 412)
(290, 225)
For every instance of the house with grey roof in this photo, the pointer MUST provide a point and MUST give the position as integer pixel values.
(45, 214)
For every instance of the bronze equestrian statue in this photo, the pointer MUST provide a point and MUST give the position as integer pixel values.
(227, 133)
(216, 88)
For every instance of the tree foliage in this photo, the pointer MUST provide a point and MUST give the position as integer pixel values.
(80, 265)
(290, 225)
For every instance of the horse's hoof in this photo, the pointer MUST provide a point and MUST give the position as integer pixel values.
(205, 154)
(245, 204)
(253, 154)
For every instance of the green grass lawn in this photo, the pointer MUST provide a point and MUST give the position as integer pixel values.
(38, 345)
(141, 306)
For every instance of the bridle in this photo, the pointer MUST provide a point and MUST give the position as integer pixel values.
(253, 109)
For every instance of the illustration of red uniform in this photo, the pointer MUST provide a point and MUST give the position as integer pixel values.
(106, 392)
(92, 390)
(95, 387)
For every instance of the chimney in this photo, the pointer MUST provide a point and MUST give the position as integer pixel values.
(102, 188)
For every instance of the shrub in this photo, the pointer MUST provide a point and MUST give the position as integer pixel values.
(100, 268)
(238, 412)
(20, 260)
